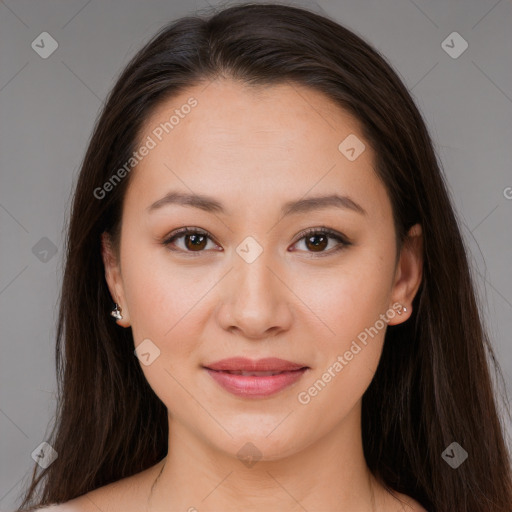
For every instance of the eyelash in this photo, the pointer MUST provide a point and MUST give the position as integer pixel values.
(343, 242)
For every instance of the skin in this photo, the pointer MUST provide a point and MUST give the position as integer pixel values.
(253, 150)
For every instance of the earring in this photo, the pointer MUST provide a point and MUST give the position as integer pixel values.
(116, 313)
(404, 310)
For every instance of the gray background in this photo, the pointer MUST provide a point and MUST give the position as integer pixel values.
(48, 107)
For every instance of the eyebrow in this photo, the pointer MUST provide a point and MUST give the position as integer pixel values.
(210, 204)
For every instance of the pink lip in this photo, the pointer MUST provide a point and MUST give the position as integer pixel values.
(254, 386)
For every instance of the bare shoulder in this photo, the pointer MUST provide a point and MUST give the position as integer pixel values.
(69, 506)
(80, 504)
(125, 494)
(89, 502)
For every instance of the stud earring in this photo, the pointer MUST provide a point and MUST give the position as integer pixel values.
(116, 312)
(404, 310)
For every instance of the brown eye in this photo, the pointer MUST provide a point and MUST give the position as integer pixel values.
(194, 240)
(316, 240)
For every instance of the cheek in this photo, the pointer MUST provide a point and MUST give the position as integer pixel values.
(170, 304)
(343, 301)
(162, 298)
(165, 308)
(346, 366)
(350, 304)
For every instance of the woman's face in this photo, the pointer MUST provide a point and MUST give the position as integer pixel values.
(258, 285)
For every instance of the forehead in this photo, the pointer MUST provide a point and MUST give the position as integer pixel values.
(258, 144)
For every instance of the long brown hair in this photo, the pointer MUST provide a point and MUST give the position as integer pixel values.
(433, 385)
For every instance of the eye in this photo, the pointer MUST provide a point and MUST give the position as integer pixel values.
(194, 239)
(317, 239)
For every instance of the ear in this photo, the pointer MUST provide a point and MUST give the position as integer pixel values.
(408, 275)
(114, 278)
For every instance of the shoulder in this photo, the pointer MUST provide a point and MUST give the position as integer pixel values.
(119, 495)
(80, 504)
(62, 507)
(93, 501)
(89, 502)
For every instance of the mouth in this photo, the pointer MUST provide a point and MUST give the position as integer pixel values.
(253, 374)
(255, 379)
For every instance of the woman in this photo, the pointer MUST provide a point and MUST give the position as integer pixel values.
(267, 303)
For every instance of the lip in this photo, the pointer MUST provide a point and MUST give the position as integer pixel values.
(265, 376)
(268, 364)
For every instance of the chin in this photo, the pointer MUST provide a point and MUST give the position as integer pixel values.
(255, 444)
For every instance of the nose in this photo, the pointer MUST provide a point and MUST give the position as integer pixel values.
(255, 301)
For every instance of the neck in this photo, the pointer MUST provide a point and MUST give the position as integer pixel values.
(330, 474)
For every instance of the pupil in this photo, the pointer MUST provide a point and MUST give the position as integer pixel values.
(320, 245)
(196, 243)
